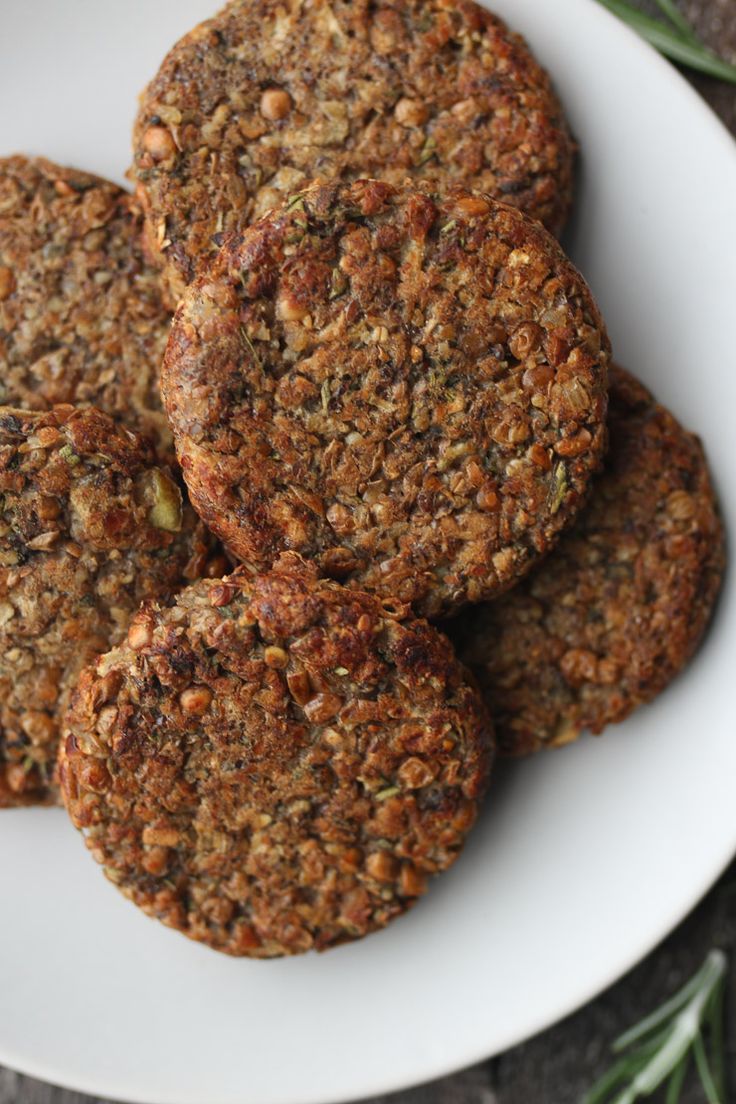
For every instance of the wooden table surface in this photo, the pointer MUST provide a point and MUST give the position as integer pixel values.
(557, 1067)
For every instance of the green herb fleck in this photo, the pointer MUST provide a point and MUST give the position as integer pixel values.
(390, 791)
(245, 338)
(67, 453)
(28, 764)
(449, 226)
(429, 150)
(341, 671)
(339, 283)
(296, 203)
(558, 490)
(437, 377)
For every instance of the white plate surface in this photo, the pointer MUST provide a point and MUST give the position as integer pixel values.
(584, 859)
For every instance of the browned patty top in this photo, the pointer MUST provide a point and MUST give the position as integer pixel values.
(275, 763)
(409, 390)
(268, 95)
(618, 608)
(81, 316)
(91, 523)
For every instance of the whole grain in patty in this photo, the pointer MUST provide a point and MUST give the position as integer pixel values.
(268, 95)
(606, 622)
(90, 525)
(275, 763)
(81, 316)
(409, 390)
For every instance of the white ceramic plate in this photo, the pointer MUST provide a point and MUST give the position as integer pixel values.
(584, 858)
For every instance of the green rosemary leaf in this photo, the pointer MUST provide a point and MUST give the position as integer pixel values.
(678, 20)
(704, 1072)
(715, 1025)
(622, 1071)
(706, 978)
(666, 1039)
(695, 57)
(677, 1080)
(662, 1064)
(670, 43)
(665, 1012)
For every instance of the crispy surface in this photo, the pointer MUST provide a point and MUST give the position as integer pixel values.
(90, 525)
(276, 763)
(410, 391)
(266, 96)
(618, 608)
(81, 316)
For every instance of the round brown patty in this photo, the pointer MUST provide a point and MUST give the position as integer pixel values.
(81, 317)
(275, 763)
(269, 95)
(90, 525)
(411, 391)
(606, 622)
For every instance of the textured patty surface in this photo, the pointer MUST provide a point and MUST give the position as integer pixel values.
(269, 95)
(275, 763)
(90, 525)
(411, 391)
(618, 608)
(81, 317)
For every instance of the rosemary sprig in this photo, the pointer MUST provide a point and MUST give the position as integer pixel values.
(677, 19)
(659, 1048)
(677, 41)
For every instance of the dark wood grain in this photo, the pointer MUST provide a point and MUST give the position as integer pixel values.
(558, 1066)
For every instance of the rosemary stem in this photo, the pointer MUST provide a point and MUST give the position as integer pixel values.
(664, 1012)
(715, 1016)
(704, 1070)
(666, 1039)
(685, 51)
(685, 1030)
(677, 1080)
(677, 19)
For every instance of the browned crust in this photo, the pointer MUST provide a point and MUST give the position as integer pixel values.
(81, 316)
(91, 523)
(617, 610)
(409, 390)
(266, 96)
(276, 763)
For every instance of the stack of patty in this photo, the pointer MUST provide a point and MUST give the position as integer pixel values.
(94, 517)
(387, 388)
